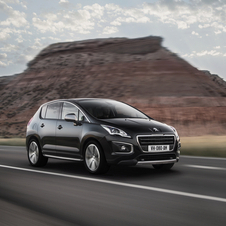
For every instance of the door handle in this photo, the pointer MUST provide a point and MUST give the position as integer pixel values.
(42, 125)
(60, 127)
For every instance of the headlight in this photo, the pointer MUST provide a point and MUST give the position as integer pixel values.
(175, 131)
(115, 131)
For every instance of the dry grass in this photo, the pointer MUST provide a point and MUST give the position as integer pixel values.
(214, 146)
(12, 141)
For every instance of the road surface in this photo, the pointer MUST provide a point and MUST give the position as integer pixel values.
(63, 193)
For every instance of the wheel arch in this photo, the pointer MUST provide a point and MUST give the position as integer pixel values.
(35, 137)
(87, 141)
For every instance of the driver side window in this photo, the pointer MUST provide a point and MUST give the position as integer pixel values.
(69, 108)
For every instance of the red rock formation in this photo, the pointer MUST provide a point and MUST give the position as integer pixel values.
(137, 71)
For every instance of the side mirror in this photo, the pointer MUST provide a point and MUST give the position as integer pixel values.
(71, 117)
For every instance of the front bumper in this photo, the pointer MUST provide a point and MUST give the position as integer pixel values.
(134, 154)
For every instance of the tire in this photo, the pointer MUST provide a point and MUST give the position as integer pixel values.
(95, 161)
(34, 154)
(163, 166)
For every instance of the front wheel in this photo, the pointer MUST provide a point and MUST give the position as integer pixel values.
(163, 166)
(95, 161)
(34, 154)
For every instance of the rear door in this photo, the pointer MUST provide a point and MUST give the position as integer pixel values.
(47, 127)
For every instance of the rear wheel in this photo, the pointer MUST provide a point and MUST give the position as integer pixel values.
(34, 154)
(163, 166)
(95, 161)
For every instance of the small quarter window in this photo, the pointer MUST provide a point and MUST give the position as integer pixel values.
(81, 117)
(43, 111)
(53, 111)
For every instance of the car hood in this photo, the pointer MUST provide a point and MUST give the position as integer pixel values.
(138, 125)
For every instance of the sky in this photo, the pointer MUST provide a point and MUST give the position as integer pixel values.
(194, 29)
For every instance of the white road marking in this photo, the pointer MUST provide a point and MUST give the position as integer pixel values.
(186, 194)
(205, 167)
(202, 157)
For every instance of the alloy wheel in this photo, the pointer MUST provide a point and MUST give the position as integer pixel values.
(33, 152)
(92, 157)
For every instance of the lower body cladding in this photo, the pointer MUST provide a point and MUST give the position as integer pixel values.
(124, 151)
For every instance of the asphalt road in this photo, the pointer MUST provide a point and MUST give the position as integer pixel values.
(63, 193)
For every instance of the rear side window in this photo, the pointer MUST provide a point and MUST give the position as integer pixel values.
(43, 111)
(53, 111)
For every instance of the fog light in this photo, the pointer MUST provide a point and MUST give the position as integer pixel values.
(121, 148)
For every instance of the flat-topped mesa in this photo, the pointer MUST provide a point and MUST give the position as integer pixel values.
(139, 46)
(140, 72)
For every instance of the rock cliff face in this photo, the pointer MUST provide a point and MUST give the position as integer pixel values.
(140, 72)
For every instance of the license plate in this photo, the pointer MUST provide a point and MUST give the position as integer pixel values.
(158, 147)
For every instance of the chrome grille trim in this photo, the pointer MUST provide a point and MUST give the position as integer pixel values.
(160, 136)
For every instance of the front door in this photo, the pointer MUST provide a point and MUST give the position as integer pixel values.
(68, 134)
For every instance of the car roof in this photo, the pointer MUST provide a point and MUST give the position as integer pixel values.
(75, 100)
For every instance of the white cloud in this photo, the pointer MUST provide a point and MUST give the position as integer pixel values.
(212, 53)
(55, 39)
(217, 32)
(95, 10)
(133, 15)
(15, 17)
(195, 33)
(204, 53)
(110, 30)
(5, 34)
(63, 1)
(3, 64)
(188, 13)
(22, 3)
(116, 22)
(20, 39)
(204, 26)
(114, 8)
(80, 21)
(3, 56)
(182, 25)
(9, 48)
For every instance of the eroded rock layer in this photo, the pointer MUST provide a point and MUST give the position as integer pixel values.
(140, 72)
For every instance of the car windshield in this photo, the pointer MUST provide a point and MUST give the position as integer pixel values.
(104, 109)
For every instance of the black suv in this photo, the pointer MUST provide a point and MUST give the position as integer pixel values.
(100, 132)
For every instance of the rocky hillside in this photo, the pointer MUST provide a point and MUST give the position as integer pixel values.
(138, 71)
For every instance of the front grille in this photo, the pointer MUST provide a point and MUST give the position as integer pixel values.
(144, 141)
